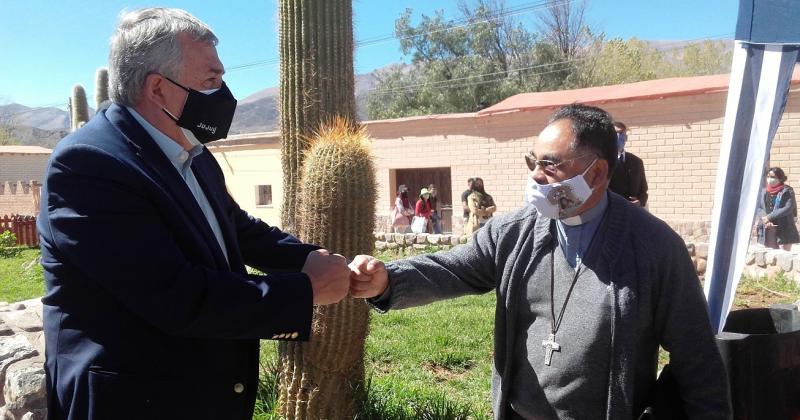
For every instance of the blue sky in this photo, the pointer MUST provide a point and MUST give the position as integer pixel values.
(46, 46)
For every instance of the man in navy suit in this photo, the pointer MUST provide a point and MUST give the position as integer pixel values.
(149, 312)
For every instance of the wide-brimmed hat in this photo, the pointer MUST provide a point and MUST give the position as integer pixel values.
(402, 188)
(423, 192)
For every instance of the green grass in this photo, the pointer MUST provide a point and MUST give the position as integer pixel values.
(431, 362)
(21, 276)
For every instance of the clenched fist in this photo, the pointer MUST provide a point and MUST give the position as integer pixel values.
(368, 277)
(329, 274)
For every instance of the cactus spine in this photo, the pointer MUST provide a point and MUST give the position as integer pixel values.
(79, 107)
(101, 88)
(321, 378)
(316, 52)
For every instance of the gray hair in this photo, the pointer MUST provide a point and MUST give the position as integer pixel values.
(146, 42)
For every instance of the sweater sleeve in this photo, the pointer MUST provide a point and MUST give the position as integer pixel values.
(684, 330)
(465, 270)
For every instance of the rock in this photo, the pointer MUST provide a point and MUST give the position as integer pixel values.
(5, 330)
(760, 260)
(701, 250)
(392, 245)
(389, 237)
(770, 256)
(25, 320)
(749, 259)
(690, 249)
(434, 239)
(379, 236)
(463, 239)
(18, 306)
(444, 239)
(380, 246)
(24, 388)
(446, 247)
(701, 266)
(399, 238)
(421, 238)
(410, 238)
(420, 247)
(14, 348)
(455, 240)
(784, 261)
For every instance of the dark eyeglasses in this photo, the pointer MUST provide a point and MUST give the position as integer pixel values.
(548, 165)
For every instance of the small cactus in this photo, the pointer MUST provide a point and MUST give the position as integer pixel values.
(101, 89)
(79, 108)
(321, 378)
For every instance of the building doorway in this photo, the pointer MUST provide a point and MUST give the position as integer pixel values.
(419, 178)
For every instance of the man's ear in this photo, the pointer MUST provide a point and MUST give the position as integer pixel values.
(153, 90)
(599, 173)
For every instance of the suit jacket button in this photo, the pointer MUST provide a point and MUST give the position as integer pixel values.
(238, 388)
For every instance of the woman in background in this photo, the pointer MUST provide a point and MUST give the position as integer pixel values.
(781, 207)
(481, 207)
(402, 211)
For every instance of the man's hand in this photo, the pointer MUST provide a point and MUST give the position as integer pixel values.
(368, 277)
(329, 276)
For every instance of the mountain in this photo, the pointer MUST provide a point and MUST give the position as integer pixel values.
(255, 113)
(260, 111)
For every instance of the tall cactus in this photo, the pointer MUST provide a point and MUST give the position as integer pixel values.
(101, 88)
(320, 379)
(79, 107)
(316, 52)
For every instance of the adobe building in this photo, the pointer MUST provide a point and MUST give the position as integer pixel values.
(675, 127)
(21, 172)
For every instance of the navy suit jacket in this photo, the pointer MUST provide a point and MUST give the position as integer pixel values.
(143, 316)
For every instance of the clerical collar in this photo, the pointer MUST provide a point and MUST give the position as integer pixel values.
(588, 215)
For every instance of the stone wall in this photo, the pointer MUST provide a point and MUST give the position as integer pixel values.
(22, 361)
(760, 261)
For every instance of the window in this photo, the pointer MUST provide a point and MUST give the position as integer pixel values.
(263, 195)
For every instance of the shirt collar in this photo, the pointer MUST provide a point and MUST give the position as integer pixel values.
(588, 215)
(173, 151)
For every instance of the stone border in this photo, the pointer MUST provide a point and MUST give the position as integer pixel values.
(760, 261)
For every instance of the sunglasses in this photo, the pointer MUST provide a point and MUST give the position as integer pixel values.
(548, 165)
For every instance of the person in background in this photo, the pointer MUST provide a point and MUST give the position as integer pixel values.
(481, 207)
(423, 208)
(402, 212)
(149, 309)
(781, 207)
(436, 214)
(628, 178)
(586, 293)
(464, 196)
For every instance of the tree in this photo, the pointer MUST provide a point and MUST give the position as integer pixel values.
(564, 26)
(456, 66)
(6, 138)
(463, 65)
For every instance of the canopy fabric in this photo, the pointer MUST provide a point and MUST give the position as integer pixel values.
(763, 61)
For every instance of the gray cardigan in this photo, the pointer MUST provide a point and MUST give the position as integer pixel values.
(656, 292)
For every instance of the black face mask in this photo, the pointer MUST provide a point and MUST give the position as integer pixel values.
(207, 116)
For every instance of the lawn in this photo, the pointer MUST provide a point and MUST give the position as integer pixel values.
(21, 276)
(431, 362)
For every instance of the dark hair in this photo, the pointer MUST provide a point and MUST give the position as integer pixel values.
(470, 181)
(778, 173)
(593, 129)
(621, 125)
(476, 188)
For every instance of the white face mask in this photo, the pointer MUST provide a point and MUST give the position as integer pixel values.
(559, 200)
(772, 181)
